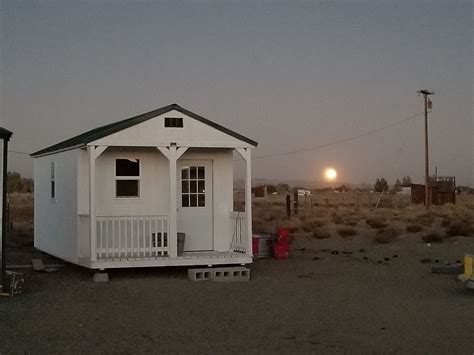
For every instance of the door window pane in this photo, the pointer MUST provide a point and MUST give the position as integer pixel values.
(201, 172)
(193, 200)
(193, 186)
(201, 186)
(184, 186)
(185, 173)
(192, 174)
(201, 200)
(185, 200)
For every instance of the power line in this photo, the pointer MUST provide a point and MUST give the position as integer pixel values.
(338, 141)
(313, 147)
(18, 152)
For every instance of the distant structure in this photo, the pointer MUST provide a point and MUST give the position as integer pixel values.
(303, 192)
(5, 136)
(442, 190)
(259, 191)
(404, 190)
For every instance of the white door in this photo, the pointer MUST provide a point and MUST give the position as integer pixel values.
(195, 204)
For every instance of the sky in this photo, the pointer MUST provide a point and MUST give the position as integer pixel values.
(288, 74)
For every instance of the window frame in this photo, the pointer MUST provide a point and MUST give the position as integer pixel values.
(128, 178)
(196, 180)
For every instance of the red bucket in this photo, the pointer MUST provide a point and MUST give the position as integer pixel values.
(255, 246)
(280, 251)
(282, 236)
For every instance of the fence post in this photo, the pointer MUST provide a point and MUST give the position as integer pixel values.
(295, 202)
(288, 206)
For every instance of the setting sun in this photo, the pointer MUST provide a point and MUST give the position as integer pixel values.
(330, 174)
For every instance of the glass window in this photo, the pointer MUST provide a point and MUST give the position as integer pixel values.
(127, 167)
(127, 178)
(193, 182)
(174, 122)
(53, 180)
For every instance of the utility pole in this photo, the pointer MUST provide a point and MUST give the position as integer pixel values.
(425, 94)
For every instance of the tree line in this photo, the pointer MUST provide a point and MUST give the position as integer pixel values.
(17, 183)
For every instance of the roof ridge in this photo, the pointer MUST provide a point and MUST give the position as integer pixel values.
(108, 129)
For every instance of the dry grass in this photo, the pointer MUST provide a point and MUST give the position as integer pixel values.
(432, 237)
(343, 213)
(459, 228)
(386, 235)
(21, 219)
(376, 222)
(321, 234)
(347, 233)
(414, 228)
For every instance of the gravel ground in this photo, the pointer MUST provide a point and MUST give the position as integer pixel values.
(315, 301)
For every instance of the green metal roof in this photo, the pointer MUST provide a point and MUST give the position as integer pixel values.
(100, 132)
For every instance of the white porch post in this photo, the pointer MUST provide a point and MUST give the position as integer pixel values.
(246, 154)
(173, 153)
(92, 205)
(94, 153)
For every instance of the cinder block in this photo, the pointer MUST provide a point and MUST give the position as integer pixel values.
(101, 277)
(199, 274)
(224, 274)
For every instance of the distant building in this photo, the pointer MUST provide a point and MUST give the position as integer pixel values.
(405, 190)
(442, 190)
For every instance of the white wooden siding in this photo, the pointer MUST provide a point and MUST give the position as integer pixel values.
(56, 220)
(153, 132)
(154, 189)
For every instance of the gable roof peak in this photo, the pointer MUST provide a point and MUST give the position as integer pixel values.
(103, 131)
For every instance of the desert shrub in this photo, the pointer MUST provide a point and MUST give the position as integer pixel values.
(294, 229)
(321, 234)
(311, 225)
(414, 228)
(316, 224)
(461, 227)
(425, 219)
(386, 235)
(351, 223)
(270, 217)
(306, 227)
(346, 232)
(445, 222)
(337, 219)
(432, 237)
(376, 223)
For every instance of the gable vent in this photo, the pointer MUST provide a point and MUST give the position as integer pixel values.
(176, 122)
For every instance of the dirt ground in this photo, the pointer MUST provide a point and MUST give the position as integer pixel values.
(317, 301)
(336, 303)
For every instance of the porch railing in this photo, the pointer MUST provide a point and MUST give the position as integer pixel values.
(132, 237)
(238, 232)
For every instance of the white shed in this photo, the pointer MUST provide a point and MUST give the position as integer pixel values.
(120, 195)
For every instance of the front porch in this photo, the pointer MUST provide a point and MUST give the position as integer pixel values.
(136, 241)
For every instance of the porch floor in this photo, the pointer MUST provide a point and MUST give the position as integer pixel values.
(208, 258)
